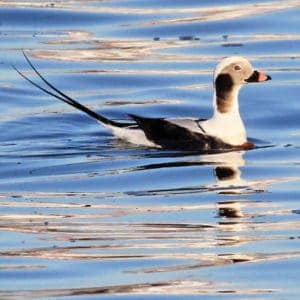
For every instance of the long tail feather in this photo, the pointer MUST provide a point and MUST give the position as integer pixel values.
(62, 96)
(38, 86)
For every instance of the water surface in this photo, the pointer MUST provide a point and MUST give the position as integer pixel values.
(85, 215)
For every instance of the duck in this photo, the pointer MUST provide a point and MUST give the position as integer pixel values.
(225, 130)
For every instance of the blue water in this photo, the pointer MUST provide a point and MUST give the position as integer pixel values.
(83, 215)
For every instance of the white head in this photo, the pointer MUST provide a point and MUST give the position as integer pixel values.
(230, 74)
(238, 67)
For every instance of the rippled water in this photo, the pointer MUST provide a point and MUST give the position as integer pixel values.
(84, 215)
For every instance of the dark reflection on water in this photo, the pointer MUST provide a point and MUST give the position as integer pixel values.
(84, 215)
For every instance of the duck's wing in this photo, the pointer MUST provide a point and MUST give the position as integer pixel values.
(170, 134)
(194, 125)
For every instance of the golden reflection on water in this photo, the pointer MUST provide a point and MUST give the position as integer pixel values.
(178, 287)
(151, 51)
(106, 237)
(229, 12)
(109, 50)
(206, 13)
(86, 230)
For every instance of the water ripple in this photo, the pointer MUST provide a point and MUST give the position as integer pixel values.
(84, 215)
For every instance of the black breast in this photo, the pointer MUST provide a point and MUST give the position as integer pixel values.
(223, 86)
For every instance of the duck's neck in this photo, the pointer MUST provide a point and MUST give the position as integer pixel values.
(226, 122)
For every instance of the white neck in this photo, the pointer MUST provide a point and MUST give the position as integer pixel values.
(227, 126)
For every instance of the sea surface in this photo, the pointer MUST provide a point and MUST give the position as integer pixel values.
(85, 216)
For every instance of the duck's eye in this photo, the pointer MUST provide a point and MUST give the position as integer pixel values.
(237, 67)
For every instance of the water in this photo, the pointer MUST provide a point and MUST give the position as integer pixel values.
(85, 215)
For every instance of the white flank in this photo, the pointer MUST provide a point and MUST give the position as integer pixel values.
(134, 136)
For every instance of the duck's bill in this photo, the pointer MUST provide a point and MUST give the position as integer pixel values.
(258, 77)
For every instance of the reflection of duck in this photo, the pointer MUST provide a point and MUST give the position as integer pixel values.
(225, 130)
(229, 181)
(230, 209)
(227, 172)
(229, 178)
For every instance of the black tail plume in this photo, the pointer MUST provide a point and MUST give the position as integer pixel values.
(62, 96)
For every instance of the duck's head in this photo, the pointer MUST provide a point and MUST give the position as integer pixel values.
(238, 70)
(230, 74)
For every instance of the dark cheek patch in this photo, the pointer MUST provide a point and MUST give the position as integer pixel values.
(224, 85)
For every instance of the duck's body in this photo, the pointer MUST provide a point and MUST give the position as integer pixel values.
(182, 134)
(224, 130)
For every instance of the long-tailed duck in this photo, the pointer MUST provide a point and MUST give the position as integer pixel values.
(223, 131)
